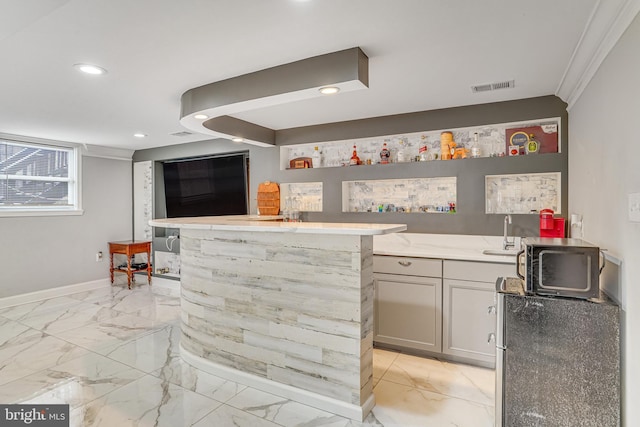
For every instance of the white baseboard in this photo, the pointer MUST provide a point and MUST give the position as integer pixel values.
(53, 292)
(170, 287)
(349, 410)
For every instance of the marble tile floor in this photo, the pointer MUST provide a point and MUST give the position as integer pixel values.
(112, 355)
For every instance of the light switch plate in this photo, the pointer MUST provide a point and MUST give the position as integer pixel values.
(634, 207)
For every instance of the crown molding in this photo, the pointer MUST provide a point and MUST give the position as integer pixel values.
(85, 149)
(609, 19)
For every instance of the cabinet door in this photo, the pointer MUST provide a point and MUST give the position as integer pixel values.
(408, 311)
(468, 319)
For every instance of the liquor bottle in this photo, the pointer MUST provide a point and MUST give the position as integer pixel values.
(401, 157)
(355, 160)
(384, 154)
(316, 158)
(532, 146)
(422, 151)
(475, 148)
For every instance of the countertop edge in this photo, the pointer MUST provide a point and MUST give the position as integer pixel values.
(496, 259)
(239, 224)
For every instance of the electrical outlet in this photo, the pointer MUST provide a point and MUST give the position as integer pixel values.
(576, 226)
(634, 207)
(99, 256)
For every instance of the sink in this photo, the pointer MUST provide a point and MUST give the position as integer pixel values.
(501, 252)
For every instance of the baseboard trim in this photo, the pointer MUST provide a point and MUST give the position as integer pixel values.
(349, 410)
(60, 291)
(172, 286)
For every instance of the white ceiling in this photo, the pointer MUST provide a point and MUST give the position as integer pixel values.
(423, 55)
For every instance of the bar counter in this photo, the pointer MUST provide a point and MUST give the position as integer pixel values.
(283, 307)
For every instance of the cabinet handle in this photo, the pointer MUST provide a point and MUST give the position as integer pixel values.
(404, 263)
(491, 309)
(491, 338)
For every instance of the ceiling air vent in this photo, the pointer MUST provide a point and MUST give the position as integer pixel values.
(493, 86)
(181, 133)
(481, 88)
(503, 85)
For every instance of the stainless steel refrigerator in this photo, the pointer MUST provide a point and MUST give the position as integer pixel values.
(558, 360)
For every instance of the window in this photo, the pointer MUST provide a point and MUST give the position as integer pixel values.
(38, 179)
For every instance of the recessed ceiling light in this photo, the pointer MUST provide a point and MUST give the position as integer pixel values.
(139, 135)
(329, 90)
(90, 69)
(237, 139)
(200, 116)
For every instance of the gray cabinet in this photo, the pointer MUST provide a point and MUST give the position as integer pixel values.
(408, 302)
(407, 311)
(467, 321)
(468, 308)
(444, 307)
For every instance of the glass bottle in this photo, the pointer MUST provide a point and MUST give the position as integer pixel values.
(384, 154)
(422, 151)
(475, 148)
(316, 158)
(532, 146)
(401, 157)
(355, 160)
(286, 213)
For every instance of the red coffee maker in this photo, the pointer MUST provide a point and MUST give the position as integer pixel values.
(550, 226)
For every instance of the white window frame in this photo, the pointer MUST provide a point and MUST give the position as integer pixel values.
(74, 180)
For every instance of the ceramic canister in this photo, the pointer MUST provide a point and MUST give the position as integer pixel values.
(446, 139)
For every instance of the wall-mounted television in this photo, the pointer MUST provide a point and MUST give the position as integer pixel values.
(206, 186)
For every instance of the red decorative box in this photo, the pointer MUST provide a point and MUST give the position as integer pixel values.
(545, 135)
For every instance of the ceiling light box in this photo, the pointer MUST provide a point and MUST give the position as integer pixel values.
(347, 70)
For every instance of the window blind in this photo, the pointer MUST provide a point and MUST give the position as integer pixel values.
(33, 176)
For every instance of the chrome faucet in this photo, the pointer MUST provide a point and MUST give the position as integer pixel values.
(506, 244)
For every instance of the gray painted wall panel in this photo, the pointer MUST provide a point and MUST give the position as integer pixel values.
(39, 253)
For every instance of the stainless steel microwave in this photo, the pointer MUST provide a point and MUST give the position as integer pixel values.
(562, 267)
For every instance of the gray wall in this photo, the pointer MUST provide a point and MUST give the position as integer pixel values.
(470, 218)
(39, 253)
(603, 170)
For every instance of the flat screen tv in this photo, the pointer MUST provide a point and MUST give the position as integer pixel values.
(206, 186)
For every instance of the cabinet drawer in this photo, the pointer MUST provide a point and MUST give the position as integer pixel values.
(407, 266)
(477, 271)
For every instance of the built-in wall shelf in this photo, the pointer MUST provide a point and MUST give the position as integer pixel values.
(414, 195)
(404, 148)
(301, 196)
(523, 193)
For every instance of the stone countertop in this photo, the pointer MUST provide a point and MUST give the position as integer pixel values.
(442, 246)
(270, 224)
